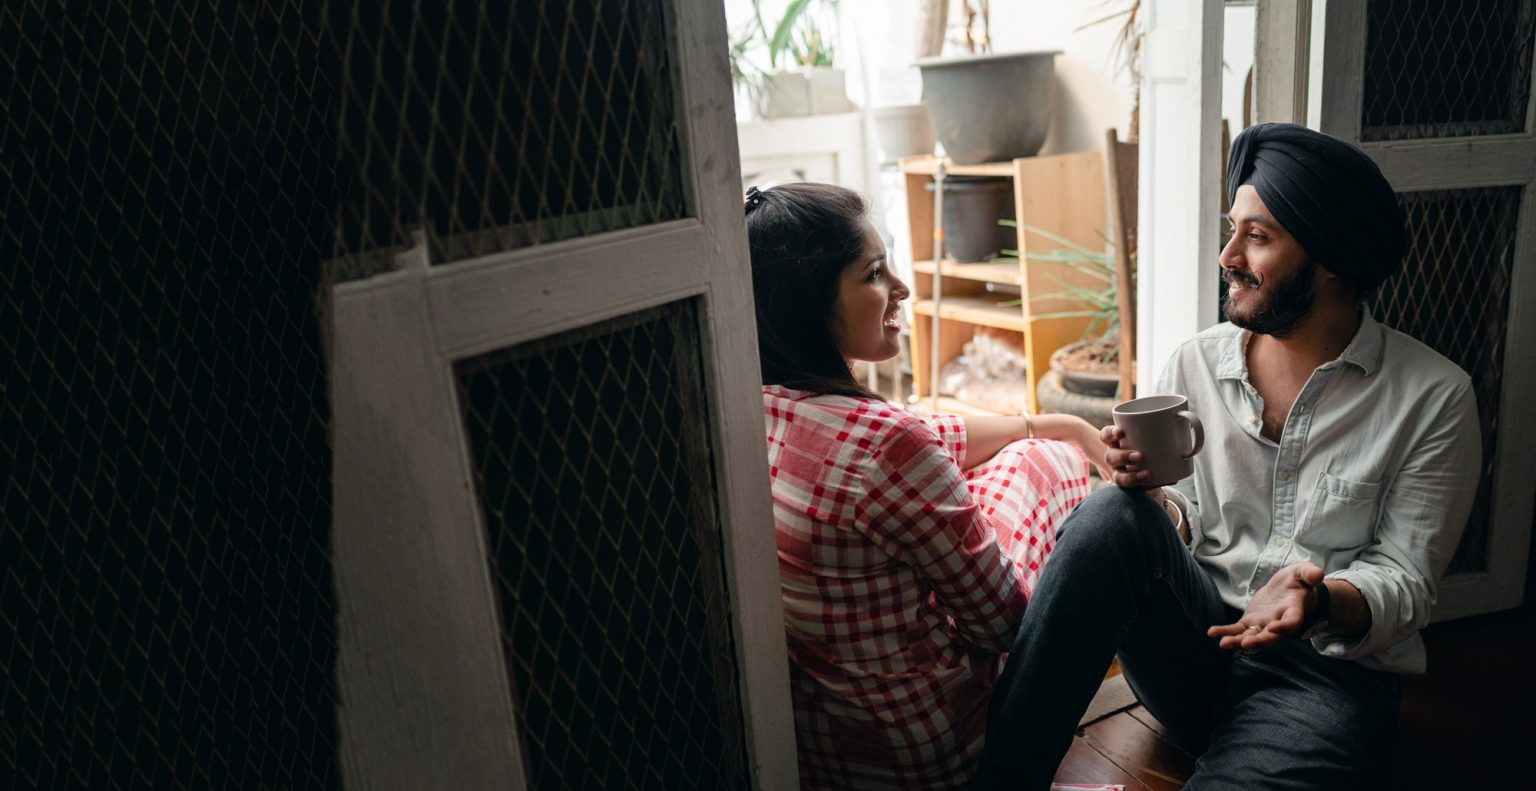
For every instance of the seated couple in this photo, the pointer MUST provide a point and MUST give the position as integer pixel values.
(952, 593)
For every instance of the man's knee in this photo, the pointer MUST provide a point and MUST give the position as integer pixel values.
(1115, 514)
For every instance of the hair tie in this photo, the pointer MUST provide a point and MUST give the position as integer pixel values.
(754, 198)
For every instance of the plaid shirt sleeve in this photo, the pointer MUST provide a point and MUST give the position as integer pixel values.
(920, 510)
(951, 432)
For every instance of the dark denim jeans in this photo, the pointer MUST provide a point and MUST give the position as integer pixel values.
(1121, 581)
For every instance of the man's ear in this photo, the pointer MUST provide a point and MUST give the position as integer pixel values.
(1331, 279)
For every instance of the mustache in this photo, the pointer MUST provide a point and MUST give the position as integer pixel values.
(1230, 276)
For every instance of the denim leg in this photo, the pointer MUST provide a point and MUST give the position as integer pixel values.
(1177, 671)
(1119, 568)
(1294, 719)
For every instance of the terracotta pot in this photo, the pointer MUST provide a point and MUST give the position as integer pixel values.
(1052, 397)
(1094, 383)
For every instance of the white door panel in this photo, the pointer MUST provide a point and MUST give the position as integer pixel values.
(477, 644)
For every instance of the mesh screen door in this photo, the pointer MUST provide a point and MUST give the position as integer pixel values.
(1443, 103)
(554, 544)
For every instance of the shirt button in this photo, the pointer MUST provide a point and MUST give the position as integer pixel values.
(1285, 475)
(1279, 542)
(1253, 420)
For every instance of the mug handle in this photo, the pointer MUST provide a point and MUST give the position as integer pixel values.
(1194, 425)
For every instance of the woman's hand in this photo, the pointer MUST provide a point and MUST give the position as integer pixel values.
(1076, 432)
(1087, 441)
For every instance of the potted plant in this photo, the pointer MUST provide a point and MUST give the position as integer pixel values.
(801, 77)
(1084, 374)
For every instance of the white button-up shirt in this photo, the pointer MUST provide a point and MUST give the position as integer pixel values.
(1372, 479)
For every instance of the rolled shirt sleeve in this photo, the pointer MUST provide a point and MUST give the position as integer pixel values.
(1182, 495)
(1423, 516)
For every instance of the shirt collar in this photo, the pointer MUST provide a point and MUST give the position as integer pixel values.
(1364, 351)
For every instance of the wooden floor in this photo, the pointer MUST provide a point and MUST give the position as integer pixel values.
(1468, 723)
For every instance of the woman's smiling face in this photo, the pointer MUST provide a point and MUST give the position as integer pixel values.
(865, 321)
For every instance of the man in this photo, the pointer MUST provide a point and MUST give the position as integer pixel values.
(1263, 608)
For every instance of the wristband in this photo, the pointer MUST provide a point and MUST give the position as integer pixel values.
(1316, 621)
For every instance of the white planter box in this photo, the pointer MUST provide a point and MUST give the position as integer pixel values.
(807, 92)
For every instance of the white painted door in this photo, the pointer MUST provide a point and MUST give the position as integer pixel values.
(1439, 94)
(554, 549)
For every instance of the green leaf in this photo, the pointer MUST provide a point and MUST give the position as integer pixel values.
(781, 34)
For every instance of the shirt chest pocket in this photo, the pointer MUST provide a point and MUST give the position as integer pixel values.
(1344, 513)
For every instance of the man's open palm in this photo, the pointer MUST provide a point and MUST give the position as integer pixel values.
(1275, 611)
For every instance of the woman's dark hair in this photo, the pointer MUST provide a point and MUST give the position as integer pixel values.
(802, 236)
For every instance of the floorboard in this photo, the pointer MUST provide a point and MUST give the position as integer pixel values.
(1083, 764)
(1470, 722)
(1139, 751)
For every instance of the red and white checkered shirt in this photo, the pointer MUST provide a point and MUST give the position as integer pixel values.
(903, 579)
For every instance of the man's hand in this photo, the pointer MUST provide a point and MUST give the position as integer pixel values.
(1125, 465)
(1275, 611)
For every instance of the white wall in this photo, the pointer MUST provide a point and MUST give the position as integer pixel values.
(876, 48)
(1092, 93)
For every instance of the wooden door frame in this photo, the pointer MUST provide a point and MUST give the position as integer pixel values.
(425, 697)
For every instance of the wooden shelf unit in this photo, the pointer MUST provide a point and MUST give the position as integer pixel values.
(1062, 194)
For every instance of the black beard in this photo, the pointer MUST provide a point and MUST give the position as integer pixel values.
(1286, 305)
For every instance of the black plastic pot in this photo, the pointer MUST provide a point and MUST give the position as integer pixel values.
(972, 207)
(990, 108)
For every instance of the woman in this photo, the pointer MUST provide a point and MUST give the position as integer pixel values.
(907, 546)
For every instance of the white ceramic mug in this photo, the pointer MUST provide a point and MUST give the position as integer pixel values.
(1165, 431)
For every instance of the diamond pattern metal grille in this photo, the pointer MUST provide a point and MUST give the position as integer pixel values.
(1446, 69)
(1453, 294)
(166, 615)
(496, 126)
(593, 468)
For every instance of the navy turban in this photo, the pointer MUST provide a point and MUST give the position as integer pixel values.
(1327, 193)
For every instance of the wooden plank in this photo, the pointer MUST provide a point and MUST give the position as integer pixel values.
(1043, 339)
(1145, 718)
(919, 218)
(1122, 163)
(952, 339)
(1281, 60)
(1455, 163)
(923, 165)
(1344, 66)
(988, 272)
(1137, 749)
(1062, 194)
(981, 311)
(1084, 764)
(951, 406)
(733, 382)
(425, 698)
